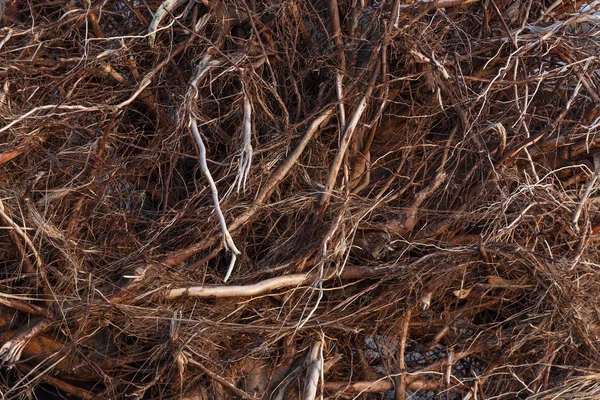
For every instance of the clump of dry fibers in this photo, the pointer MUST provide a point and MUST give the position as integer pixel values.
(322, 199)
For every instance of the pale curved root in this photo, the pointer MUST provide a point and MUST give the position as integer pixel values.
(314, 362)
(279, 282)
(204, 67)
(166, 7)
(215, 195)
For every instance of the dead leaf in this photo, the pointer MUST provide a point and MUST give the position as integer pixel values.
(462, 293)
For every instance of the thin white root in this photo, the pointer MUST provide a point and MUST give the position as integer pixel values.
(587, 192)
(314, 363)
(205, 65)
(246, 155)
(167, 6)
(215, 195)
(55, 107)
(317, 303)
(339, 89)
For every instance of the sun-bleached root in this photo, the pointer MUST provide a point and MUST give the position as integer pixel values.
(314, 361)
(587, 192)
(204, 66)
(269, 285)
(215, 196)
(165, 8)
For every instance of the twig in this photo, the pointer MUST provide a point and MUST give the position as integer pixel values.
(408, 220)
(334, 16)
(221, 380)
(25, 307)
(9, 155)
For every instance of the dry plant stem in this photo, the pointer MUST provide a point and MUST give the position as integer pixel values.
(313, 372)
(334, 15)
(268, 285)
(443, 363)
(140, 206)
(99, 153)
(215, 195)
(587, 192)
(292, 375)
(93, 18)
(536, 138)
(224, 382)
(11, 351)
(440, 4)
(345, 142)
(25, 307)
(147, 79)
(401, 391)
(290, 161)
(17, 242)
